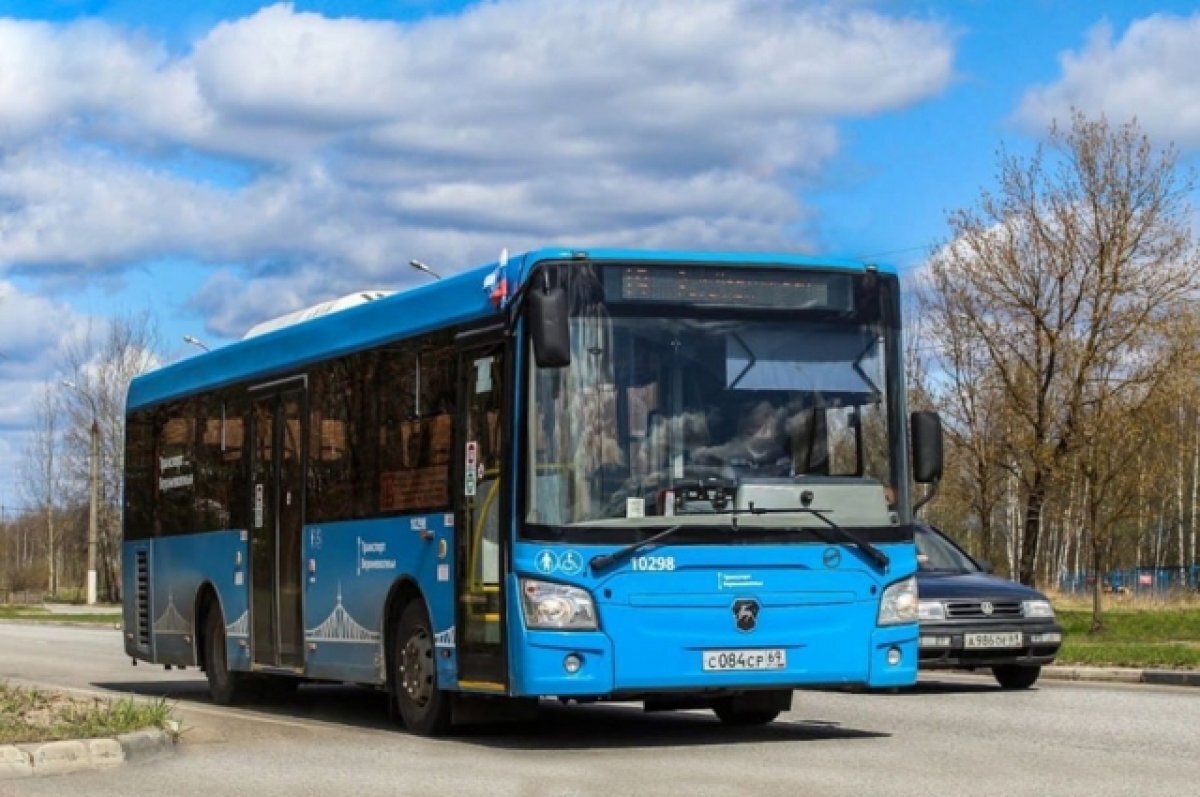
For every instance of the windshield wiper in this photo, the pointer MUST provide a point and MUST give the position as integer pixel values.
(880, 558)
(604, 561)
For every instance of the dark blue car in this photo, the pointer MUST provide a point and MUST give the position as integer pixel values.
(971, 619)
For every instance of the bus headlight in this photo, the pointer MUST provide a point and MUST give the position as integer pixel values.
(557, 607)
(899, 603)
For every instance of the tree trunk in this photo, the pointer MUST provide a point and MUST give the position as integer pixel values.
(1097, 586)
(1032, 531)
(52, 575)
(1195, 470)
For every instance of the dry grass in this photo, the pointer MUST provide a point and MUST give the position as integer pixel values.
(36, 715)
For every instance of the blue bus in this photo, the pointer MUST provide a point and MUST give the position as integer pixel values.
(680, 478)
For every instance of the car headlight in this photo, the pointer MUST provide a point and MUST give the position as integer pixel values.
(1037, 608)
(931, 610)
(557, 606)
(899, 603)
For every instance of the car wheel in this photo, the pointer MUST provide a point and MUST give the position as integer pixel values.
(422, 706)
(1016, 676)
(226, 687)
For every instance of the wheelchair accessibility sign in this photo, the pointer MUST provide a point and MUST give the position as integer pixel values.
(568, 562)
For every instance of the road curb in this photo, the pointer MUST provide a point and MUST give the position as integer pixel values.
(1124, 675)
(77, 755)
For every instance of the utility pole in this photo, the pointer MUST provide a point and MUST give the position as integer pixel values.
(94, 489)
(93, 509)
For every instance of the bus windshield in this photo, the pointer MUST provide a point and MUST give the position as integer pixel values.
(677, 393)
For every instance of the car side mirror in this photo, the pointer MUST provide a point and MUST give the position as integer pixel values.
(927, 447)
(986, 566)
(548, 326)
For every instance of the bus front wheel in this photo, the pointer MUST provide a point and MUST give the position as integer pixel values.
(225, 686)
(422, 706)
(754, 708)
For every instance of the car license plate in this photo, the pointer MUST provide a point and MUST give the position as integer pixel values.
(722, 660)
(1007, 639)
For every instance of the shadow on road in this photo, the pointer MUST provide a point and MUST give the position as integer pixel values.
(558, 727)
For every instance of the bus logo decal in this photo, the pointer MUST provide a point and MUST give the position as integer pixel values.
(745, 615)
(368, 549)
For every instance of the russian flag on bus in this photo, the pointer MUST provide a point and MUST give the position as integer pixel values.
(495, 285)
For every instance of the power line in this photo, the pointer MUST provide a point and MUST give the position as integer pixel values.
(906, 250)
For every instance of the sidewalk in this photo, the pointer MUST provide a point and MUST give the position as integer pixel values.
(1127, 675)
(80, 608)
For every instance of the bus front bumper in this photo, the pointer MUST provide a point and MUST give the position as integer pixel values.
(589, 664)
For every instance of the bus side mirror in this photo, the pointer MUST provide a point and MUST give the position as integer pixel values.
(548, 326)
(927, 447)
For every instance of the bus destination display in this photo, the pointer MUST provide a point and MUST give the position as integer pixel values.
(731, 286)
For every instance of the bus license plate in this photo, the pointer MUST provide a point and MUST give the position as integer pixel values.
(722, 660)
(1009, 639)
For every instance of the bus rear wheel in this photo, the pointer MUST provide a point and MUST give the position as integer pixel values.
(422, 706)
(226, 687)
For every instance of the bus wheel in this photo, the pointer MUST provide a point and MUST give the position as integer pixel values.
(424, 708)
(758, 708)
(227, 688)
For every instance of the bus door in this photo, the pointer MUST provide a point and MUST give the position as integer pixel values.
(276, 527)
(481, 508)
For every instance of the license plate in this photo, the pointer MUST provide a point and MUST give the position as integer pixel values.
(1007, 639)
(723, 660)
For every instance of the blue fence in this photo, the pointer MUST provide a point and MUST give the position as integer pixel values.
(1148, 580)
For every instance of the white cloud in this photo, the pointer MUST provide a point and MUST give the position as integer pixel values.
(1149, 73)
(340, 148)
(528, 119)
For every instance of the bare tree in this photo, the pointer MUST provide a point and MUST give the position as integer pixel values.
(41, 479)
(1056, 276)
(102, 368)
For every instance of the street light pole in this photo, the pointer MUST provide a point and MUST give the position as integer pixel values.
(93, 490)
(93, 510)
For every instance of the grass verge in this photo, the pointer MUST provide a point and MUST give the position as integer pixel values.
(1145, 637)
(39, 614)
(36, 715)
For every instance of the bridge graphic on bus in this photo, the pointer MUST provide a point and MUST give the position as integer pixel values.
(172, 622)
(340, 626)
(239, 627)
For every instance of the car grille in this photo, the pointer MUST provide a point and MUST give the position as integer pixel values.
(1001, 610)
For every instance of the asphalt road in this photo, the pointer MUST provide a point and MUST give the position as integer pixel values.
(952, 735)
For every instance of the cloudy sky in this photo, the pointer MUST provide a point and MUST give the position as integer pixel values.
(219, 163)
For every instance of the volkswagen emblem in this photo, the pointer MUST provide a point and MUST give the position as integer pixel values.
(832, 557)
(745, 615)
(987, 608)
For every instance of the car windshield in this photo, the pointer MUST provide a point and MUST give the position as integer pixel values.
(937, 554)
(653, 400)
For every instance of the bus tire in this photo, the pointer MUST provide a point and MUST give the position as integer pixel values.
(421, 705)
(759, 708)
(226, 687)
